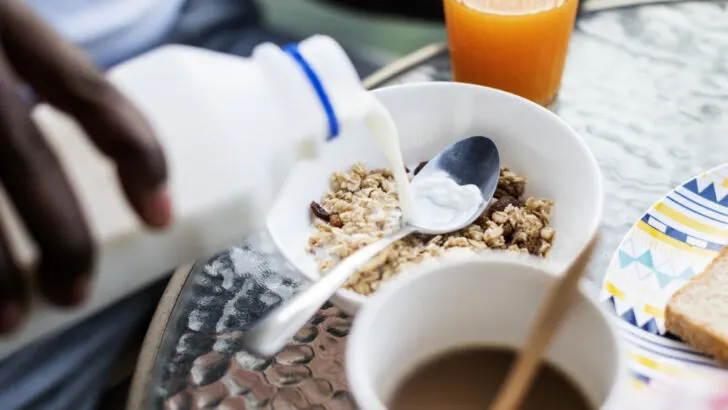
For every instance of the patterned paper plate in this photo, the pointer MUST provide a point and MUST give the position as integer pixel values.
(672, 242)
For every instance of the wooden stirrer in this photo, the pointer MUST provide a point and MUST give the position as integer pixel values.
(543, 329)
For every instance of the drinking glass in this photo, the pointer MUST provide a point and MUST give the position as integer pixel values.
(517, 46)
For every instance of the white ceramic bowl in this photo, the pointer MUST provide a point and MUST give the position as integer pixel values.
(488, 301)
(532, 141)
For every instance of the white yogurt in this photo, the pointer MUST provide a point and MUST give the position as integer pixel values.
(441, 204)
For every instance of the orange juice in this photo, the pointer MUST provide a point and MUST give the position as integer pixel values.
(517, 46)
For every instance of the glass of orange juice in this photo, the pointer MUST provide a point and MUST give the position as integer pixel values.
(517, 46)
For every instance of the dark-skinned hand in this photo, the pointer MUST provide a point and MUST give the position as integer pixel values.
(33, 55)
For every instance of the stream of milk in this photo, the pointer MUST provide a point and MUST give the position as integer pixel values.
(385, 132)
(434, 201)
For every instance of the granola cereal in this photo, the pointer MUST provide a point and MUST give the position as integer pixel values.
(363, 206)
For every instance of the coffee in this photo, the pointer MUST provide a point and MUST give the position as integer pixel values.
(470, 378)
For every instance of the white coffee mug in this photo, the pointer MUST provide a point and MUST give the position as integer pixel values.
(486, 301)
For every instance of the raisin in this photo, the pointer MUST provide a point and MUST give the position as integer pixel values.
(335, 221)
(501, 204)
(419, 167)
(507, 232)
(500, 193)
(533, 245)
(511, 188)
(319, 211)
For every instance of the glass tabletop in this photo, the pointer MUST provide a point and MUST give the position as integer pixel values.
(647, 87)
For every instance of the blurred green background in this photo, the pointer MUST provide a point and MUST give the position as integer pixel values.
(388, 38)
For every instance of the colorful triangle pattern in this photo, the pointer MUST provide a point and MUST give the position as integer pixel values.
(610, 305)
(707, 190)
(665, 280)
(646, 260)
(625, 259)
(651, 327)
(629, 315)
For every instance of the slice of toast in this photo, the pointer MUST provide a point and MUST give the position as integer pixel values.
(698, 313)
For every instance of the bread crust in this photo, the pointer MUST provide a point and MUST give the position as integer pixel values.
(697, 335)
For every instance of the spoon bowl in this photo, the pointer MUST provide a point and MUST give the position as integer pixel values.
(472, 161)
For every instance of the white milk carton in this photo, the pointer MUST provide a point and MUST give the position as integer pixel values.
(231, 129)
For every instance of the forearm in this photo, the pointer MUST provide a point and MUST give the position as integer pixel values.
(428, 10)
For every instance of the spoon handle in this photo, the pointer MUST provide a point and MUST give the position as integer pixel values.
(278, 328)
(542, 331)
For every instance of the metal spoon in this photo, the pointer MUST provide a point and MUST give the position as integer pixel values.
(473, 160)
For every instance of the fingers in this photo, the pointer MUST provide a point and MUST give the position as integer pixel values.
(60, 73)
(12, 290)
(42, 196)
(121, 133)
